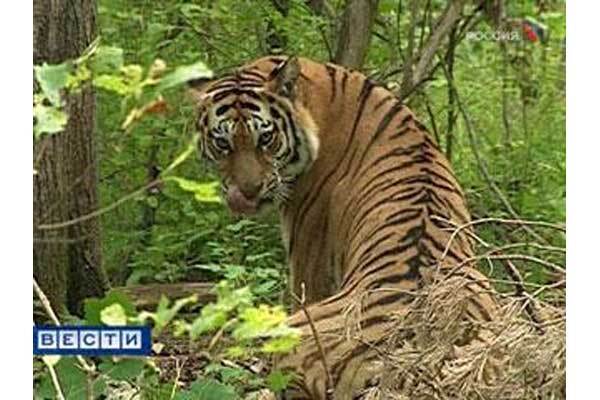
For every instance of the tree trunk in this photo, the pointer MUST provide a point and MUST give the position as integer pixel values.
(355, 33)
(67, 261)
(418, 65)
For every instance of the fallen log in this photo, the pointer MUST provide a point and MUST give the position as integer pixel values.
(148, 296)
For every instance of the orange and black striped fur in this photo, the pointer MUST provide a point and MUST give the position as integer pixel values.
(357, 180)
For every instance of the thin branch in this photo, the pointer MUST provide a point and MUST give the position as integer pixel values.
(432, 118)
(530, 305)
(469, 224)
(418, 67)
(55, 382)
(45, 303)
(100, 211)
(89, 369)
(178, 160)
(178, 369)
(302, 302)
(523, 257)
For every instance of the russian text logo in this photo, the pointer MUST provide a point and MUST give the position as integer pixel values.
(91, 340)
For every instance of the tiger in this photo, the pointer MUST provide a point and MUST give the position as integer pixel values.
(362, 190)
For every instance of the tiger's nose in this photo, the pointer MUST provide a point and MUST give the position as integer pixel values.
(250, 190)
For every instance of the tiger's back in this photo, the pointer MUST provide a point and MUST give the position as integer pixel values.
(366, 224)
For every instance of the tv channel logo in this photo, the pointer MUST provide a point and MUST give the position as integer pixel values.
(92, 340)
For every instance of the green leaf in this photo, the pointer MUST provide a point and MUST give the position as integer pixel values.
(152, 201)
(72, 379)
(126, 369)
(259, 322)
(214, 315)
(208, 389)
(282, 344)
(107, 59)
(52, 79)
(114, 315)
(93, 307)
(237, 352)
(211, 318)
(164, 313)
(184, 74)
(113, 83)
(278, 380)
(48, 120)
(207, 192)
(181, 158)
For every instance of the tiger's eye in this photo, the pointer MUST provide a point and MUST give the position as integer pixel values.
(265, 138)
(221, 144)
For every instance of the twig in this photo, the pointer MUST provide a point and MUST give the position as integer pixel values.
(178, 369)
(523, 257)
(181, 158)
(432, 118)
(418, 67)
(55, 382)
(530, 305)
(302, 302)
(45, 302)
(469, 224)
(100, 211)
(89, 369)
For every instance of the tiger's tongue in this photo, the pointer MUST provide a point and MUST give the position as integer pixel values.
(238, 203)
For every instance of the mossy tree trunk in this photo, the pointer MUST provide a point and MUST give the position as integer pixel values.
(67, 261)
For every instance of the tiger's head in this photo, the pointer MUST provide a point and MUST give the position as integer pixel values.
(253, 127)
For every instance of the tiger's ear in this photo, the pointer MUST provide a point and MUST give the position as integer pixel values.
(196, 88)
(284, 77)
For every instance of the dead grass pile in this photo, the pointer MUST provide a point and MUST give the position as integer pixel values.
(438, 352)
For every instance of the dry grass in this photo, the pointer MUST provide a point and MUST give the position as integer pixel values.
(513, 357)
(520, 354)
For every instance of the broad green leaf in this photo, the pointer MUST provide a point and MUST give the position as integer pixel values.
(278, 380)
(229, 299)
(72, 379)
(207, 192)
(180, 158)
(184, 74)
(48, 120)
(237, 352)
(125, 369)
(114, 315)
(133, 73)
(165, 313)
(81, 74)
(113, 83)
(211, 318)
(93, 307)
(208, 389)
(259, 322)
(52, 79)
(214, 315)
(282, 344)
(107, 59)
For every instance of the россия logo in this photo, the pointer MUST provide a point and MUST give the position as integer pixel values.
(91, 340)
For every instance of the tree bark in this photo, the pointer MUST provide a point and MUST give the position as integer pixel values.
(355, 33)
(418, 65)
(67, 262)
